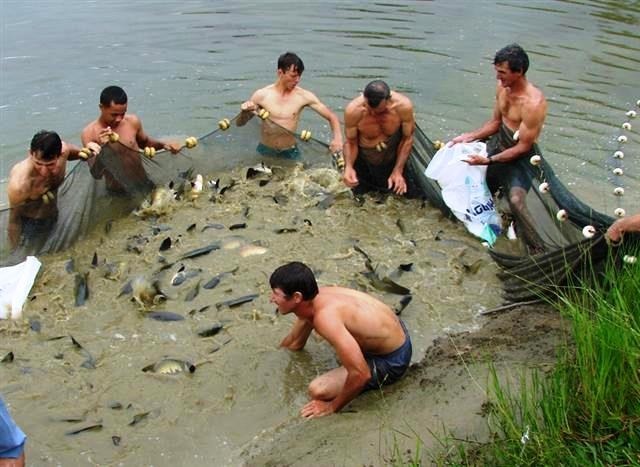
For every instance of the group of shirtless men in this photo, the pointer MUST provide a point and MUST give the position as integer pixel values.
(371, 342)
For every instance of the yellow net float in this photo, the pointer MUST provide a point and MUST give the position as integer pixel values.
(191, 142)
(381, 146)
(263, 114)
(224, 124)
(149, 152)
(114, 137)
(84, 153)
(338, 158)
(438, 144)
(305, 135)
(47, 197)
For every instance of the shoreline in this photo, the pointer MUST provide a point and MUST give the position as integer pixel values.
(442, 399)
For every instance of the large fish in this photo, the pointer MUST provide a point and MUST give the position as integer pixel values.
(200, 251)
(81, 288)
(237, 301)
(170, 366)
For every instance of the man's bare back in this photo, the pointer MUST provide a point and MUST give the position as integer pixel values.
(371, 322)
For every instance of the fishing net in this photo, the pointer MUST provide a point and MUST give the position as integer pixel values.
(562, 233)
(100, 190)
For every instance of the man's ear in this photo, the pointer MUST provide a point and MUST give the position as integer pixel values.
(297, 296)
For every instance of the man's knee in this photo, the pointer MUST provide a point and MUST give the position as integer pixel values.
(517, 198)
(319, 389)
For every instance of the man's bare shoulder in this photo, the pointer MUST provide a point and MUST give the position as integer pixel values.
(90, 130)
(262, 93)
(402, 100)
(18, 187)
(355, 109)
(535, 96)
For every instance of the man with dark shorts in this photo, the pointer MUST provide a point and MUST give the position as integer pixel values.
(372, 343)
(379, 128)
(285, 101)
(516, 124)
(33, 188)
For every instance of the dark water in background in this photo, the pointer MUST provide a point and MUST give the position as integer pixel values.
(187, 64)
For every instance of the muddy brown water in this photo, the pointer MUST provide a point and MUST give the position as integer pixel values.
(244, 384)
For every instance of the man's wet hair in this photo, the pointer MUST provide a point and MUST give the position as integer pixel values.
(289, 59)
(113, 94)
(295, 277)
(515, 56)
(375, 92)
(47, 145)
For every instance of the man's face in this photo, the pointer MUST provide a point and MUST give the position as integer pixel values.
(290, 78)
(42, 167)
(505, 75)
(380, 109)
(112, 114)
(284, 302)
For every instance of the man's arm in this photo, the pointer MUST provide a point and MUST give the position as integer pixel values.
(530, 128)
(396, 181)
(297, 337)
(249, 108)
(327, 114)
(351, 120)
(621, 226)
(92, 141)
(144, 140)
(17, 198)
(351, 358)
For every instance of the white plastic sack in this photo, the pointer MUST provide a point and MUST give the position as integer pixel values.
(15, 285)
(464, 188)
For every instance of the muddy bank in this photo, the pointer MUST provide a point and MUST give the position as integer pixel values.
(443, 395)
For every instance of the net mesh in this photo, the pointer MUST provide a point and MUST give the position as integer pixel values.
(86, 200)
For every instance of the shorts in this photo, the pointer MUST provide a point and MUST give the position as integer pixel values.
(288, 153)
(389, 368)
(12, 438)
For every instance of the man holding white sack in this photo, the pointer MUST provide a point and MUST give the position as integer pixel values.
(516, 124)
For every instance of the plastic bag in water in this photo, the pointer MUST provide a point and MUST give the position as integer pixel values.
(464, 188)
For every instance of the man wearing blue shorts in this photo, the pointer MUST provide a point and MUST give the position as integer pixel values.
(12, 440)
(373, 345)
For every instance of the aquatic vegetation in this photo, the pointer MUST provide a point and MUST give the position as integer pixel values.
(586, 412)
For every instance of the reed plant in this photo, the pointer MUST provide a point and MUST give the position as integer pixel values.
(587, 411)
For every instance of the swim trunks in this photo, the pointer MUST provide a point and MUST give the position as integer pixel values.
(389, 368)
(12, 438)
(292, 153)
(375, 177)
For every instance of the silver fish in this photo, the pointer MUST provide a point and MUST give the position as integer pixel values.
(170, 366)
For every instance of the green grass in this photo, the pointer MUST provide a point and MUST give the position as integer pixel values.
(587, 411)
